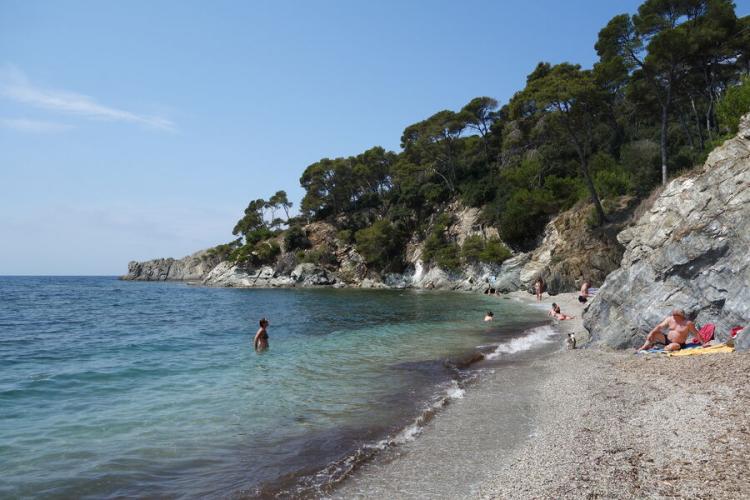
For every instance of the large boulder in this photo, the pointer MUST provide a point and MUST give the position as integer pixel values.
(691, 250)
(508, 278)
(312, 275)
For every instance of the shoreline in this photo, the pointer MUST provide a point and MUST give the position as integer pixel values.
(490, 417)
(590, 423)
(326, 481)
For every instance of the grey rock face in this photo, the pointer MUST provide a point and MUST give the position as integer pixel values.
(508, 279)
(312, 275)
(690, 250)
(191, 268)
(229, 275)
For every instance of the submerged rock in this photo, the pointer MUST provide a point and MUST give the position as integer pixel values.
(691, 250)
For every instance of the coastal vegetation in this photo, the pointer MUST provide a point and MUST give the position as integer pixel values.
(670, 83)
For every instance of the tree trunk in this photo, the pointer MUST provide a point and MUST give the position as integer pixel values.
(592, 191)
(685, 128)
(663, 139)
(697, 123)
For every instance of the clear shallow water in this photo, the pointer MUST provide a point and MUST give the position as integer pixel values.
(112, 388)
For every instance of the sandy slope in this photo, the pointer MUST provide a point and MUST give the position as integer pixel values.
(625, 426)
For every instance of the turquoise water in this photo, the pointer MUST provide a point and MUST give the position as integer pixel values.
(111, 388)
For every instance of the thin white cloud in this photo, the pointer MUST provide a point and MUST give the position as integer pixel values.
(16, 86)
(33, 126)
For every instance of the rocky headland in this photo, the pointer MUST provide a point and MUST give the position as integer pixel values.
(569, 250)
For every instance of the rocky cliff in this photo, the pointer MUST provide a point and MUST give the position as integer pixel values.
(572, 249)
(691, 250)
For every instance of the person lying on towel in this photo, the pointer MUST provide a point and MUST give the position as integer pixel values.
(679, 327)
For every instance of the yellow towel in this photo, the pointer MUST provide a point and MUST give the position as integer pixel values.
(714, 349)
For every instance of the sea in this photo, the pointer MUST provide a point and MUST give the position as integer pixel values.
(112, 389)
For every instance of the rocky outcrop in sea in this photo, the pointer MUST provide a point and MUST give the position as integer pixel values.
(690, 249)
(194, 267)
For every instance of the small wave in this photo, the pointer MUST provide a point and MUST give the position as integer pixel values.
(322, 482)
(535, 337)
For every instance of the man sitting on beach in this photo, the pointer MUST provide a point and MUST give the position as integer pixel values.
(676, 338)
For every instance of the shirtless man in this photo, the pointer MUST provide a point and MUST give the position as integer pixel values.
(679, 329)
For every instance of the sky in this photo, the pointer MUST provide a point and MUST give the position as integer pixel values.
(137, 130)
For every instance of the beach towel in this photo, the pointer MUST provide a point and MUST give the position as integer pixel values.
(713, 349)
(660, 350)
(706, 334)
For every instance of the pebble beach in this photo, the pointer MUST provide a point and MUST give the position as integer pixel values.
(618, 425)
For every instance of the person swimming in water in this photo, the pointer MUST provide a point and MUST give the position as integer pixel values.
(489, 316)
(261, 338)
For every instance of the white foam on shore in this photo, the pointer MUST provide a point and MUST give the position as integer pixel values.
(535, 337)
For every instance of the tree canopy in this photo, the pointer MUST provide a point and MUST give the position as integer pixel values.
(662, 94)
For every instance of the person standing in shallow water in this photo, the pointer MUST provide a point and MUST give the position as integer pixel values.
(539, 288)
(261, 337)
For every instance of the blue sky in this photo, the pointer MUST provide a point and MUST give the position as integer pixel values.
(135, 130)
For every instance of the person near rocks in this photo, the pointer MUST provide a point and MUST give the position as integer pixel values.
(539, 287)
(490, 316)
(583, 297)
(261, 337)
(556, 313)
(678, 328)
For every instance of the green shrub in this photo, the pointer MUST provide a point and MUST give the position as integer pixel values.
(733, 105)
(448, 257)
(380, 244)
(641, 160)
(567, 190)
(476, 193)
(223, 251)
(472, 248)
(295, 238)
(262, 253)
(592, 219)
(436, 240)
(319, 257)
(525, 215)
(612, 182)
(266, 252)
(494, 252)
(345, 235)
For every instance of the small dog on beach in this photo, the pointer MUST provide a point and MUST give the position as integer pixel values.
(570, 342)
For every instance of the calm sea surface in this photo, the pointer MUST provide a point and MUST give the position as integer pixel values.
(111, 388)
